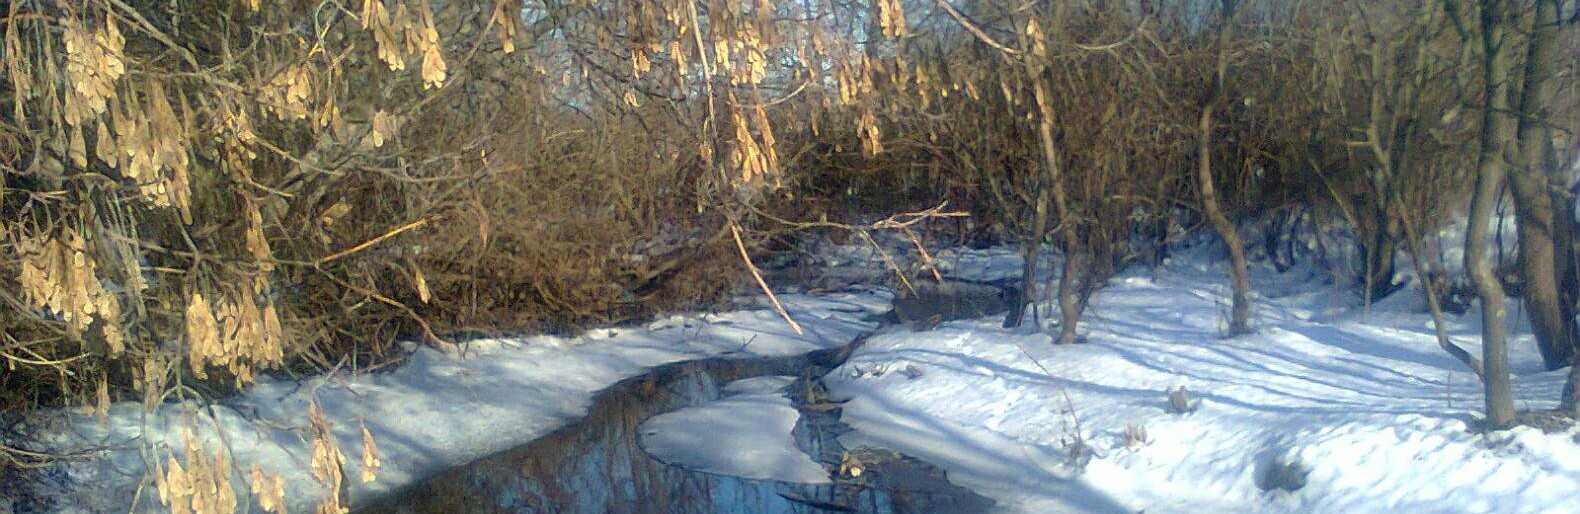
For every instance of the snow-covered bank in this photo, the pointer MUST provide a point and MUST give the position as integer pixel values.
(436, 411)
(1371, 408)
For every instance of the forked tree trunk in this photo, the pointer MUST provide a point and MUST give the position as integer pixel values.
(1494, 344)
(1380, 264)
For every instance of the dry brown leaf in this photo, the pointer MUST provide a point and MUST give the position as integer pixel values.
(58, 276)
(420, 281)
(427, 42)
(78, 149)
(203, 340)
(176, 490)
(257, 244)
(507, 17)
(327, 462)
(104, 145)
(381, 129)
(203, 486)
(270, 490)
(371, 459)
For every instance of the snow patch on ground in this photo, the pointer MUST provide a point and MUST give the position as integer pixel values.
(435, 411)
(746, 434)
(1369, 408)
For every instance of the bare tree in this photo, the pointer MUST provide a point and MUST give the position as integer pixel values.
(1499, 20)
(1240, 278)
(1552, 319)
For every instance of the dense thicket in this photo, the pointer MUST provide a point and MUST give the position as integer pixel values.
(194, 192)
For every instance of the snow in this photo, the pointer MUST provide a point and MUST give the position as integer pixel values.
(746, 434)
(435, 411)
(1362, 400)
(1376, 413)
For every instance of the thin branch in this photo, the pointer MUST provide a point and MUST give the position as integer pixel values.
(1116, 44)
(974, 29)
(735, 230)
(369, 243)
(427, 330)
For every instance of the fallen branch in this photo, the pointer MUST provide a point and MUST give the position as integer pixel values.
(735, 230)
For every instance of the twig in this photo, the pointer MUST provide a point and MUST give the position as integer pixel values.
(1116, 44)
(365, 245)
(974, 29)
(926, 258)
(888, 260)
(27, 459)
(735, 230)
(897, 221)
(438, 342)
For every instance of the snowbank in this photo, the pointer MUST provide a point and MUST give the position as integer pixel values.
(1371, 411)
(433, 412)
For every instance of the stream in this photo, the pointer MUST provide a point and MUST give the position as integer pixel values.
(598, 465)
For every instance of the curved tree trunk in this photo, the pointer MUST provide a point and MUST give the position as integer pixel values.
(1497, 132)
(1240, 278)
(1424, 275)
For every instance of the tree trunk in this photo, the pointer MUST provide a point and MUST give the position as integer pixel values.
(1533, 211)
(1030, 249)
(1494, 345)
(1497, 132)
(1069, 306)
(1547, 260)
(1240, 278)
(1563, 236)
(1564, 241)
(1160, 250)
(1533, 205)
(1380, 262)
